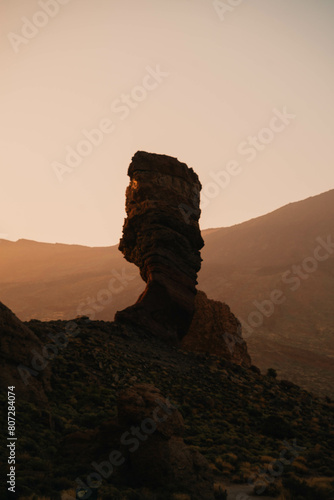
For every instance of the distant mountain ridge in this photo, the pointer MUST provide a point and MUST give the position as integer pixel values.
(268, 270)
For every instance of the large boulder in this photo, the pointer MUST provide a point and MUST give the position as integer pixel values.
(215, 330)
(161, 457)
(145, 444)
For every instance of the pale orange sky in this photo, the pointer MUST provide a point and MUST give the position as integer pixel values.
(225, 78)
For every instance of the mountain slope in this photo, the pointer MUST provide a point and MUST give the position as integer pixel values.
(289, 251)
(44, 281)
(243, 265)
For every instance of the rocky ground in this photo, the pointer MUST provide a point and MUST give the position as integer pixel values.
(250, 428)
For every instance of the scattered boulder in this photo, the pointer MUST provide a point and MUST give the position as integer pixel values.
(288, 385)
(255, 369)
(162, 457)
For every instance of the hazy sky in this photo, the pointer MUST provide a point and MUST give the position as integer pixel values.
(245, 90)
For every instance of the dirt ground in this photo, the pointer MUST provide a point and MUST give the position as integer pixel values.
(242, 492)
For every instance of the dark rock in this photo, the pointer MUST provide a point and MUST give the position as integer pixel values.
(255, 369)
(138, 402)
(288, 385)
(161, 236)
(215, 329)
(277, 427)
(18, 346)
(147, 439)
(162, 457)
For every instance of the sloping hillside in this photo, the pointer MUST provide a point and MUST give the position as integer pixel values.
(255, 431)
(276, 273)
(243, 265)
(56, 281)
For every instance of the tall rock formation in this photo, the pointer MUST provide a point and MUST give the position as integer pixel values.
(161, 236)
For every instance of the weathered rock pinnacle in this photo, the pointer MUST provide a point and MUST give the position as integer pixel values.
(161, 236)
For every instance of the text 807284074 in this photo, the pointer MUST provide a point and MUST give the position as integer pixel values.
(11, 439)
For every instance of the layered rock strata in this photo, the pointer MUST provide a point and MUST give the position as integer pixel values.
(161, 236)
